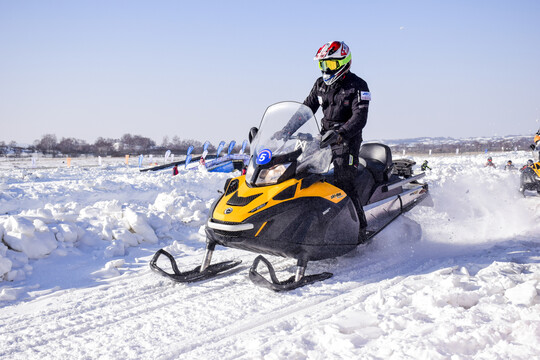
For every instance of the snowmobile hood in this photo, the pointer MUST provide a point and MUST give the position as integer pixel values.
(536, 168)
(241, 201)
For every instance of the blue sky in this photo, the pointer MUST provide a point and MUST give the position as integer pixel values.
(208, 69)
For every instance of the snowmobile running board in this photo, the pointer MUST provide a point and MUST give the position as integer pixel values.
(203, 272)
(290, 284)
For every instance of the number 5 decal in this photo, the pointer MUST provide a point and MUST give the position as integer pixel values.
(264, 157)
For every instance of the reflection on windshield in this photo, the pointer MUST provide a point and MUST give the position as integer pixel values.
(302, 132)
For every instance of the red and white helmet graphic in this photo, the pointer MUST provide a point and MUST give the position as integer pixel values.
(334, 61)
(332, 50)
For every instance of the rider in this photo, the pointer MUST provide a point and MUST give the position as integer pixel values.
(509, 165)
(490, 163)
(344, 98)
(425, 166)
(529, 164)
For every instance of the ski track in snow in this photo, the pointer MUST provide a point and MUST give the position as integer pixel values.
(457, 280)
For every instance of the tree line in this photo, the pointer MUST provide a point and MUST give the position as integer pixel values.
(135, 144)
(128, 144)
(466, 146)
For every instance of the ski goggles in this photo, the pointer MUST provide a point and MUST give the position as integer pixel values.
(333, 64)
(328, 65)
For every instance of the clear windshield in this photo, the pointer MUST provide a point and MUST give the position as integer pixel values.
(289, 128)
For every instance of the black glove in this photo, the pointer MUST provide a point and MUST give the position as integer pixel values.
(281, 135)
(305, 136)
(533, 147)
(331, 137)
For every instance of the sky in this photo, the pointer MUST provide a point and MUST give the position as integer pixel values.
(207, 70)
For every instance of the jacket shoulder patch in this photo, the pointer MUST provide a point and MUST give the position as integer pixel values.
(365, 95)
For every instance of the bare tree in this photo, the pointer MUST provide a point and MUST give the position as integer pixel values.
(165, 141)
(136, 143)
(72, 146)
(47, 144)
(104, 146)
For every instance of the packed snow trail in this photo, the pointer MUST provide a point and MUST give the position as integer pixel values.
(460, 278)
(366, 306)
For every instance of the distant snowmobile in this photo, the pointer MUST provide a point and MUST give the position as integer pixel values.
(530, 178)
(287, 203)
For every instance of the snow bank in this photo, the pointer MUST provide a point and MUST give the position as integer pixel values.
(111, 209)
(32, 238)
(448, 311)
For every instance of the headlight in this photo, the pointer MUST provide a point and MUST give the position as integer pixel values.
(250, 170)
(271, 176)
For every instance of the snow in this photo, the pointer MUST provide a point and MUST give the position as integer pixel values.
(456, 280)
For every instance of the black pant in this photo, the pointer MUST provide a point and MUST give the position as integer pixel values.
(345, 159)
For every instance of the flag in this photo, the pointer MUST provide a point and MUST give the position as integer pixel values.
(220, 147)
(244, 144)
(231, 147)
(188, 160)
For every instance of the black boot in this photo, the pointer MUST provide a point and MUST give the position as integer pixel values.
(362, 236)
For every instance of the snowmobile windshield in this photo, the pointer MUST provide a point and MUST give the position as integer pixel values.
(287, 144)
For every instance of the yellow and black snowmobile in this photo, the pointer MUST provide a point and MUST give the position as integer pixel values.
(530, 178)
(287, 204)
(530, 173)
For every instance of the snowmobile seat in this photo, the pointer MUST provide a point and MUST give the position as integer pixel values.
(378, 158)
(364, 182)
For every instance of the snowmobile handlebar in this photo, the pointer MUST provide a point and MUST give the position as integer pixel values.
(302, 137)
(329, 138)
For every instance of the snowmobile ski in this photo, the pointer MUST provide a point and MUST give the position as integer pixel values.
(207, 272)
(292, 283)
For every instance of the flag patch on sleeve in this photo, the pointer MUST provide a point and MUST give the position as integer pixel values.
(365, 95)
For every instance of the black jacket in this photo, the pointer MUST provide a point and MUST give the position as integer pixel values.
(344, 104)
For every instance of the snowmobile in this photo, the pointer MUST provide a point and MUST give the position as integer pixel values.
(530, 178)
(287, 204)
